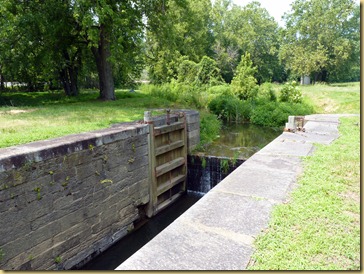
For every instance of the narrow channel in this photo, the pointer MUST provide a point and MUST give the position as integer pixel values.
(127, 246)
(235, 141)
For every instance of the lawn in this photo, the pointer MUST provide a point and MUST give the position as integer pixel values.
(334, 98)
(27, 117)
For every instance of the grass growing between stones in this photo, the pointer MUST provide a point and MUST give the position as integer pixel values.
(319, 227)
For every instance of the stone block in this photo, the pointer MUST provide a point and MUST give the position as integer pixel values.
(137, 162)
(85, 171)
(190, 245)
(193, 126)
(120, 199)
(193, 142)
(193, 134)
(192, 117)
(12, 228)
(139, 192)
(114, 135)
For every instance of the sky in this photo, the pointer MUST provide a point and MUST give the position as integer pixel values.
(275, 8)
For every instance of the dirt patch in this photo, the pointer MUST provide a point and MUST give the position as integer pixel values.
(329, 105)
(351, 196)
(16, 111)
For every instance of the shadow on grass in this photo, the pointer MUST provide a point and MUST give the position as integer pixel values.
(34, 99)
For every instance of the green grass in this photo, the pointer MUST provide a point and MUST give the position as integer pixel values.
(319, 228)
(331, 98)
(27, 117)
(334, 98)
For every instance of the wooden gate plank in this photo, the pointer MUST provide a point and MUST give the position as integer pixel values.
(168, 162)
(169, 147)
(166, 203)
(162, 169)
(168, 128)
(171, 183)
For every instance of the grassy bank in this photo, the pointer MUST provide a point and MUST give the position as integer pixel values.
(319, 228)
(26, 117)
(334, 98)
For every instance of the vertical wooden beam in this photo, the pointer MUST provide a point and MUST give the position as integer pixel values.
(184, 136)
(152, 164)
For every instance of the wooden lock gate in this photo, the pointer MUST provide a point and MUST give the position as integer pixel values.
(167, 161)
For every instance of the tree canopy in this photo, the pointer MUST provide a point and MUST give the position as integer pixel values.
(65, 43)
(321, 39)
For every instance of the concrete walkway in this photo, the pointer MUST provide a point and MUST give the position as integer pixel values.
(217, 233)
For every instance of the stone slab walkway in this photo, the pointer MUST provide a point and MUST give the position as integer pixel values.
(217, 233)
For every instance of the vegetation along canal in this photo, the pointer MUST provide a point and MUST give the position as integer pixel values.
(241, 140)
(236, 141)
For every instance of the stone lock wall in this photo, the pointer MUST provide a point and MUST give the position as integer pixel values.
(63, 201)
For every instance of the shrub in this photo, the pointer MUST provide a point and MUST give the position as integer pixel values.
(267, 92)
(291, 93)
(230, 108)
(208, 73)
(220, 90)
(210, 127)
(165, 91)
(187, 72)
(244, 85)
(275, 114)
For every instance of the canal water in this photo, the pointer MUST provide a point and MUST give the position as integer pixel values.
(241, 140)
(127, 246)
(235, 142)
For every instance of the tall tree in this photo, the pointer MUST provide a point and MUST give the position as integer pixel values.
(321, 38)
(225, 48)
(180, 31)
(112, 29)
(245, 29)
(50, 37)
(39, 43)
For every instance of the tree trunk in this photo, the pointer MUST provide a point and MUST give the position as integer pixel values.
(2, 86)
(69, 76)
(102, 54)
(65, 82)
(73, 73)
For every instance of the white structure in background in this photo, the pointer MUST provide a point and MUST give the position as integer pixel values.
(305, 80)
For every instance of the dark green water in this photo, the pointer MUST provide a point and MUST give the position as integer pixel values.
(241, 140)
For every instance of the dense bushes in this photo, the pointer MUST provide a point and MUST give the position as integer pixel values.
(265, 110)
(230, 108)
(269, 113)
(265, 107)
(291, 93)
(210, 127)
(205, 72)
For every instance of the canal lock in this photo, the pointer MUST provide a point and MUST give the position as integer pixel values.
(204, 172)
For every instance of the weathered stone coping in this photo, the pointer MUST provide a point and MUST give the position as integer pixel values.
(217, 233)
(17, 156)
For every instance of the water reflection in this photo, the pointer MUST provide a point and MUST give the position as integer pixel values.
(241, 140)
